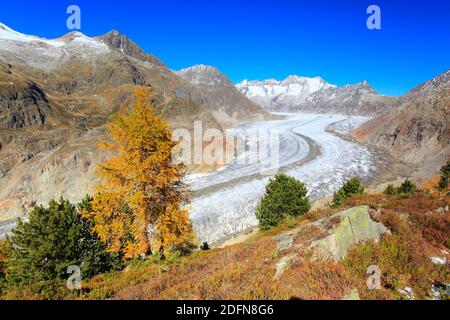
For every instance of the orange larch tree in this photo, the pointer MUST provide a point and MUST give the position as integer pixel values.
(138, 207)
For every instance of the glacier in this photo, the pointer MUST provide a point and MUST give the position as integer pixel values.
(224, 201)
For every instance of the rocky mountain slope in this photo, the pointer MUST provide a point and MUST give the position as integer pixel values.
(56, 97)
(419, 131)
(358, 99)
(314, 95)
(221, 92)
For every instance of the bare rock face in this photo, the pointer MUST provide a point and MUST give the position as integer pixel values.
(285, 240)
(358, 99)
(221, 93)
(328, 238)
(419, 131)
(284, 264)
(22, 105)
(47, 165)
(354, 226)
(117, 41)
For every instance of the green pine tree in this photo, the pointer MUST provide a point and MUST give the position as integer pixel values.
(339, 198)
(285, 196)
(407, 187)
(52, 240)
(351, 187)
(390, 190)
(5, 254)
(445, 177)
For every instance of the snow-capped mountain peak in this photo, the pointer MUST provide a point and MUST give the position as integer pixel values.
(8, 34)
(48, 54)
(297, 93)
(292, 90)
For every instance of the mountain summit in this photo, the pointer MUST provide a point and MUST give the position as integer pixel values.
(221, 92)
(302, 94)
(118, 41)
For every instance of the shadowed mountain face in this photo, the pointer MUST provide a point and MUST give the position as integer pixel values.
(56, 97)
(419, 131)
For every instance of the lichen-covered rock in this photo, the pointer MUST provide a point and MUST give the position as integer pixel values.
(285, 240)
(344, 230)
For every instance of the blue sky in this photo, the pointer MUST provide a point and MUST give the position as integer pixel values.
(249, 39)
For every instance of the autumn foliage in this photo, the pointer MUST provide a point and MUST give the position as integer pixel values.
(137, 209)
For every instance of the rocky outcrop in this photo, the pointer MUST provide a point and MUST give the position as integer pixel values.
(328, 238)
(348, 228)
(117, 41)
(285, 240)
(22, 103)
(358, 99)
(285, 263)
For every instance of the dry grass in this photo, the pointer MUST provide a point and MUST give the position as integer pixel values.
(238, 272)
(246, 270)
(420, 213)
(402, 262)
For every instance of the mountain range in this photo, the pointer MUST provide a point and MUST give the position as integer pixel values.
(219, 90)
(414, 128)
(315, 95)
(56, 97)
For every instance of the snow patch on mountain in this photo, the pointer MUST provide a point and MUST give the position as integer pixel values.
(47, 54)
(314, 95)
(292, 90)
(9, 34)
